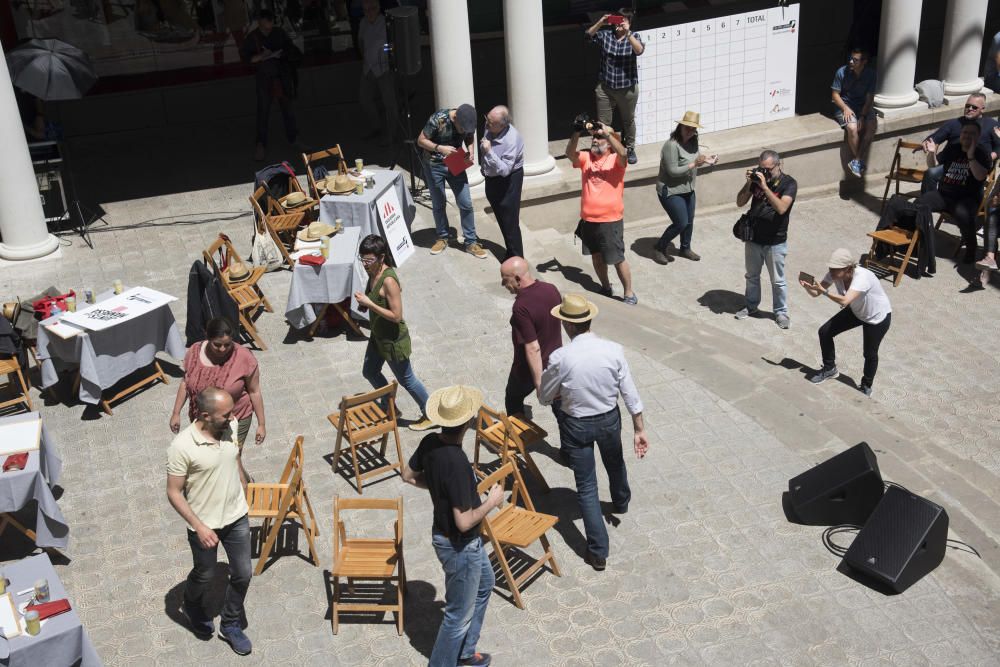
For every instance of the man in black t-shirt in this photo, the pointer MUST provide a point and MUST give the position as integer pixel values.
(534, 332)
(772, 194)
(965, 165)
(989, 139)
(440, 466)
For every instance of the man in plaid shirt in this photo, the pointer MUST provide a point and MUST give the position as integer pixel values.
(619, 76)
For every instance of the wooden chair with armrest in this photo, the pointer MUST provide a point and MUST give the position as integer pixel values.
(367, 558)
(249, 297)
(516, 526)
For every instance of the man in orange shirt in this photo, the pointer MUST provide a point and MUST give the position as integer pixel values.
(602, 204)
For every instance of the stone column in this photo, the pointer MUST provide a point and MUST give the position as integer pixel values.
(524, 44)
(964, 25)
(451, 55)
(22, 222)
(897, 53)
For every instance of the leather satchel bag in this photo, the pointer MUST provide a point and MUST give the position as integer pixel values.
(743, 229)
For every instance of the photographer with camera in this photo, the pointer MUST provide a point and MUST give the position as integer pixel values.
(602, 203)
(764, 232)
(618, 81)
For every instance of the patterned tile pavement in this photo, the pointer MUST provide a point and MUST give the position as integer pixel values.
(703, 570)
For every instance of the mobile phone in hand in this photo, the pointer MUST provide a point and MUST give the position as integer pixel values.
(616, 19)
(806, 278)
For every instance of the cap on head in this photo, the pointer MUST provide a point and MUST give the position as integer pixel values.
(841, 259)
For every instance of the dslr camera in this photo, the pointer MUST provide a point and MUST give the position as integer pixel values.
(752, 175)
(583, 123)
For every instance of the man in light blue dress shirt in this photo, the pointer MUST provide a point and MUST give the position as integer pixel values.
(586, 376)
(501, 158)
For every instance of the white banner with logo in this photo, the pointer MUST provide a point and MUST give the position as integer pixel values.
(394, 230)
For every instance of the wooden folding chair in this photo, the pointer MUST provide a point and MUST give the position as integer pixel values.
(900, 174)
(275, 207)
(247, 294)
(366, 558)
(310, 160)
(895, 237)
(285, 501)
(363, 422)
(281, 228)
(11, 367)
(507, 437)
(515, 526)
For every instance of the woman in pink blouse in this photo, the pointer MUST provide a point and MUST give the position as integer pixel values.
(218, 362)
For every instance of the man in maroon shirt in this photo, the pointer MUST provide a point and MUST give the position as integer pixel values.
(535, 333)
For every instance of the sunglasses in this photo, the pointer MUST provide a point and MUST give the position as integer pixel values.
(973, 107)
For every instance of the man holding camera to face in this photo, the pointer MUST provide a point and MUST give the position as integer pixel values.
(765, 233)
(618, 84)
(602, 202)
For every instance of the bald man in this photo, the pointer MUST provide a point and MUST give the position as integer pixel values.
(501, 158)
(534, 332)
(206, 485)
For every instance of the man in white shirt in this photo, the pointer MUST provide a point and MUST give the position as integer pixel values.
(586, 376)
(863, 303)
(206, 484)
(376, 77)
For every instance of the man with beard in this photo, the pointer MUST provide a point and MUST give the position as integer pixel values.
(206, 484)
(602, 204)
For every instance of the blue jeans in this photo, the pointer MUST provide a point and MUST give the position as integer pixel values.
(403, 370)
(468, 584)
(576, 440)
(680, 209)
(437, 175)
(235, 539)
(773, 256)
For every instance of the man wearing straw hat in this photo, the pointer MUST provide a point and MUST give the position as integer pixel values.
(586, 376)
(440, 466)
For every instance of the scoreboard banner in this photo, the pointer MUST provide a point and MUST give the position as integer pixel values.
(734, 70)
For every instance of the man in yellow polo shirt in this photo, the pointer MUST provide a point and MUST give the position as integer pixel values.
(207, 486)
(602, 203)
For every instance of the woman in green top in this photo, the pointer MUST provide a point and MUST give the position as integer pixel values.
(390, 340)
(679, 162)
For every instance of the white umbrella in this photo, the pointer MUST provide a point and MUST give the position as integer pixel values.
(51, 69)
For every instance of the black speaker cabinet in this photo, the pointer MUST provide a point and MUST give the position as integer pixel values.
(404, 32)
(842, 489)
(904, 539)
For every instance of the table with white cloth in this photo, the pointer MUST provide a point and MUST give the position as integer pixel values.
(62, 639)
(104, 357)
(19, 487)
(330, 283)
(359, 210)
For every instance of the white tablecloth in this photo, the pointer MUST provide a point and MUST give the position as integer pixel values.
(359, 210)
(105, 357)
(338, 278)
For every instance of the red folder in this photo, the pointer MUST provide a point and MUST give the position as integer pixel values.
(312, 260)
(456, 162)
(49, 609)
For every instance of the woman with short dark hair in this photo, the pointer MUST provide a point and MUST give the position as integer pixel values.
(219, 362)
(390, 339)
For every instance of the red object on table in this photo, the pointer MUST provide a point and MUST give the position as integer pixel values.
(15, 462)
(49, 609)
(312, 260)
(456, 162)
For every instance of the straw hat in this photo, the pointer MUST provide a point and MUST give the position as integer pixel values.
(575, 308)
(453, 406)
(316, 230)
(294, 199)
(237, 272)
(339, 184)
(841, 259)
(691, 119)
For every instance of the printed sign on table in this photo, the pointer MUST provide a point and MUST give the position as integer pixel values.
(397, 236)
(120, 308)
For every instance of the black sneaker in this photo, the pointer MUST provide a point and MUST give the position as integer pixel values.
(477, 659)
(866, 390)
(632, 159)
(607, 291)
(595, 561)
(201, 626)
